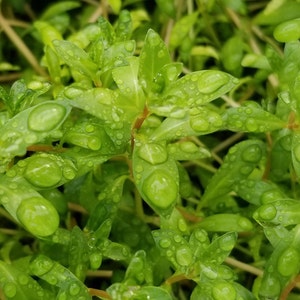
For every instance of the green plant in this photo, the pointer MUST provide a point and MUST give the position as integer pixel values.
(147, 156)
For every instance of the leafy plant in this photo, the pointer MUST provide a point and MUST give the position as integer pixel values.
(150, 153)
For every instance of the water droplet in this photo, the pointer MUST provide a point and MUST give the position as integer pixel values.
(30, 138)
(188, 147)
(74, 289)
(223, 290)
(252, 154)
(129, 46)
(270, 196)
(182, 225)
(251, 125)
(95, 260)
(41, 265)
(23, 279)
(46, 117)
(69, 173)
(209, 272)
(226, 243)
(160, 189)
(246, 170)
(177, 238)
(245, 224)
(94, 143)
(153, 153)
(38, 216)
(89, 128)
(267, 212)
(288, 262)
(210, 81)
(153, 38)
(165, 243)
(10, 290)
(43, 172)
(11, 173)
(199, 124)
(201, 235)
(184, 256)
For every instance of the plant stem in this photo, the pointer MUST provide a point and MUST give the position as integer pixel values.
(21, 46)
(243, 266)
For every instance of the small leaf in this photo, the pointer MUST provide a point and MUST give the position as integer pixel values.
(182, 28)
(76, 58)
(70, 287)
(154, 55)
(58, 8)
(198, 88)
(195, 122)
(238, 164)
(251, 118)
(226, 222)
(283, 212)
(156, 176)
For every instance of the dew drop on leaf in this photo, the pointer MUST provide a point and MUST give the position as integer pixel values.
(165, 243)
(182, 225)
(23, 279)
(69, 173)
(245, 224)
(223, 290)
(43, 172)
(153, 153)
(184, 256)
(74, 289)
(251, 125)
(46, 117)
(94, 143)
(252, 154)
(288, 262)
(41, 265)
(89, 128)
(10, 290)
(188, 147)
(160, 189)
(266, 212)
(199, 124)
(210, 81)
(38, 216)
(226, 243)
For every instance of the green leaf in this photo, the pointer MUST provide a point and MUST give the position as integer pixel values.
(31, 126)
(198, 88)
(58, 8)
(274, 14)
(251, 118)
(195, 122)
(238, 164)
(175, 248)
(154, 55)
(283, 212)
(156, 176)
(70, 287)
(181, 29)
(131, 98)
(226, 222)
(115, 5)
(76, 58)
(17, 285)
(258, 192)
(219, 248)
(48, 33)
(282, 265)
